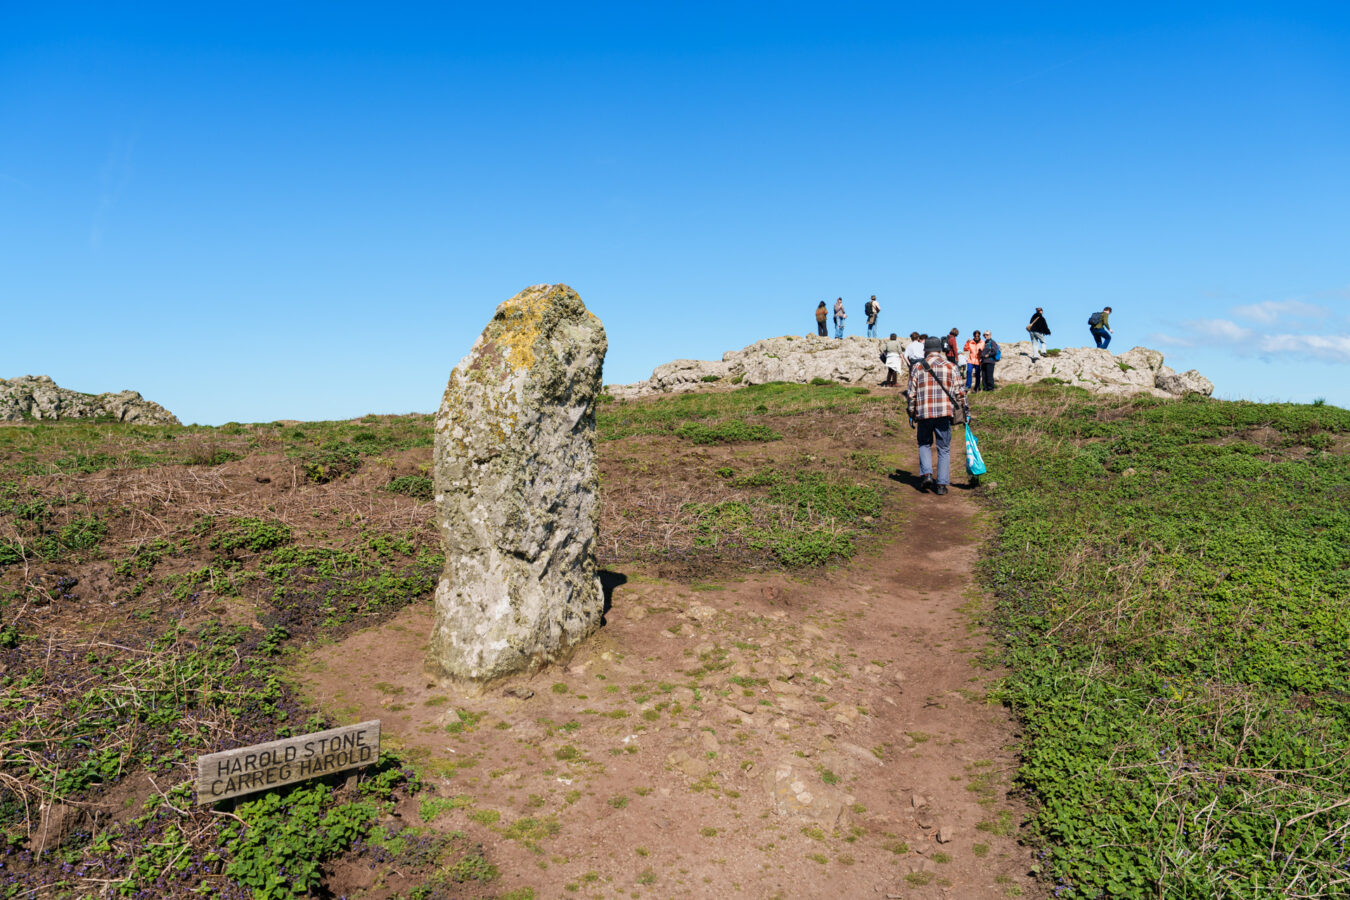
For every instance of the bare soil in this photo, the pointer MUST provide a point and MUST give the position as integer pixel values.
(764, 736)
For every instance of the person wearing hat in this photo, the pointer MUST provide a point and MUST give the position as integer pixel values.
(936, 398)
(872, 309)
(1038, 331)
(990, 354)
(893, 355)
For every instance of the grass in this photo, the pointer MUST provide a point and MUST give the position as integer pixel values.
(616, 421)
(769, 504)
(323, 541)
(80, 447)
(1172, 582)
(122, 659)
(803, 520)
(726, 432)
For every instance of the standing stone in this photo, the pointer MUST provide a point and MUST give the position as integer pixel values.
(516, 484)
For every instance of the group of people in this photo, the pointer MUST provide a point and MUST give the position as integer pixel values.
(871, 309)
(974, 361)
(1099, 324)
(941, 376)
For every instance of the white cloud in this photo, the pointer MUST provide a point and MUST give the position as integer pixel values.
(1269, 312)
(1168, 340)
(1220, 328)
(1282, 329)
(1328, 347)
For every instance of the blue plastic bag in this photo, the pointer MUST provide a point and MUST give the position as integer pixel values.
(974, 461)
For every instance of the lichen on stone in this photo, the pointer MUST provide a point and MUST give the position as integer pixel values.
(516, 487)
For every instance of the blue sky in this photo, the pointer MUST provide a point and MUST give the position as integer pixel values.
(252, 212)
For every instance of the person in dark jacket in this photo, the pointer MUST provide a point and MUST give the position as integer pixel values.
(950, 349)
(872, 309)
(1038, 331)
(822, 315)
(988, 356)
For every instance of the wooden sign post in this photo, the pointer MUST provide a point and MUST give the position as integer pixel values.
(263, 766)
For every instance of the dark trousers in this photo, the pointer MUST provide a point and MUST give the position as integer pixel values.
(820, 329)
(987, 370)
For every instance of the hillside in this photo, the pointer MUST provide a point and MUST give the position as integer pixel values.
(791, 693)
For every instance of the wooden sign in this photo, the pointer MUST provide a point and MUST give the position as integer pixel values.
(276, 763)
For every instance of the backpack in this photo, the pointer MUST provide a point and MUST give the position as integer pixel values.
(998, 351)
(867, 309)
(1095, 319)
(821, 314)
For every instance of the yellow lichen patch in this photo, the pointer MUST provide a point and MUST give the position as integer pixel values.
(521, 317)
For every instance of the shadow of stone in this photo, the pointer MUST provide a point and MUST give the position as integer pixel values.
(608, 582)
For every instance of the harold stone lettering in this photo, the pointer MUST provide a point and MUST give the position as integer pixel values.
(262, 766)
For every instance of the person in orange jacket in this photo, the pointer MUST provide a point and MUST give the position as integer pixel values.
(974, 346)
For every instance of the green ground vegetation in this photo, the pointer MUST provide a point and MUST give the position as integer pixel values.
(150, 607)
(771, 502)
(141, 629)
(729, 413)
(1173, 583)
(325, 450)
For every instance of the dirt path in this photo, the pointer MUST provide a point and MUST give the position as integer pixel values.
(766, 737)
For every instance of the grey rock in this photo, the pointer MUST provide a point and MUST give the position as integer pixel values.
(801, 359)
(856, 360)
(689, 765)
(687, 374)
(1191, 382)
(1099, 371)
(795, 794)
(37, 397)
(516, 483)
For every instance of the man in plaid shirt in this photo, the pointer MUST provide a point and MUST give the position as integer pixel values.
(930, 404)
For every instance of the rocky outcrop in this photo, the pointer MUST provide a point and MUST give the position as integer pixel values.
(687, 375)
(1181, 384)
(516, 484)
(801, 359)
(858, 360)
(1139, 370)
(37, 397)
